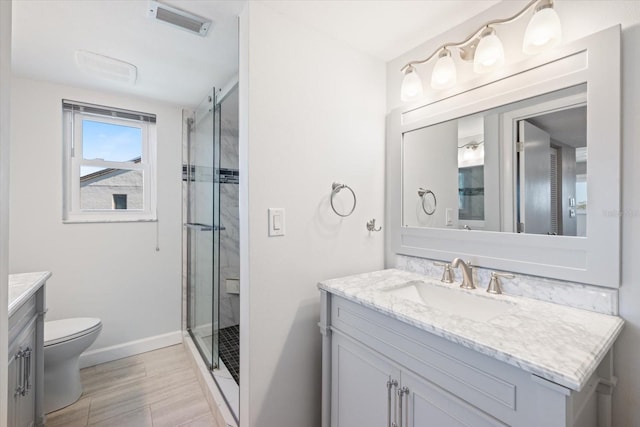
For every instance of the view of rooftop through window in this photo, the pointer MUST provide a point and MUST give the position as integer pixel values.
(109, 142)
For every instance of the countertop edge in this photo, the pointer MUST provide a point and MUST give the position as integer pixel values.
(42, 277)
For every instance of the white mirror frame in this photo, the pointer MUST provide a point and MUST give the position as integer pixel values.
(595, 259)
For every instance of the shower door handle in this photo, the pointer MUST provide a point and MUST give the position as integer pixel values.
(203, 227)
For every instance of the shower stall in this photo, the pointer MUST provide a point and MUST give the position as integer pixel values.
(211, 228)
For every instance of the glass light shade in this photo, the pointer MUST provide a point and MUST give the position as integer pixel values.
(411, 85)
(444, 74)
(489, 54)
(543, 32)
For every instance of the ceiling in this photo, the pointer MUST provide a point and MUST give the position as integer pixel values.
(567, 126)
(173, 64)
(382, 28)
(180, 67)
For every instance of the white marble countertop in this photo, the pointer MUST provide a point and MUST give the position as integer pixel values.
(562, 344)
(22, 286)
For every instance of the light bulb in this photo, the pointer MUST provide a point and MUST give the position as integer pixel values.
(444, 74)
(489, 54)
(469, 154)
(411, 85)
(543, 32)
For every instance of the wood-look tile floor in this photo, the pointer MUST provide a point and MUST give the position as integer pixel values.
(158, 388)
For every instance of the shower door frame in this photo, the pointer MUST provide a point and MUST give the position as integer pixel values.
(215, 228)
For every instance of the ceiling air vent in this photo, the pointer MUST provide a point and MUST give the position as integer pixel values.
(179, 18)
(106, 67)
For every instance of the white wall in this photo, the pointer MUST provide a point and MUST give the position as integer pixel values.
(111, 271)
(430, 161)
(5, 138)
(580, 18)
(316, 114)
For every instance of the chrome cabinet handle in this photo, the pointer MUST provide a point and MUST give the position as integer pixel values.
(26, 383)
(406, 404)
(390, 384)
(20, 387)
(401, 392)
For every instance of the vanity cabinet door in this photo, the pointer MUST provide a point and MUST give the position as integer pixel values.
(22, 372)
(359, 392)
(27, 402)
(425, 404)
(14, 381)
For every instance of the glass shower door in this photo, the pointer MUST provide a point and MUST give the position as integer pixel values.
(203, 229)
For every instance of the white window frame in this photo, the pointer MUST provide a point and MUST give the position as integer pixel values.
(73, 161)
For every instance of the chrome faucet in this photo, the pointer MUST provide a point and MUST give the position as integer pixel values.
(467, 273)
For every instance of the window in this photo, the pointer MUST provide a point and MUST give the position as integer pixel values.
(109, 164)
(119, 201)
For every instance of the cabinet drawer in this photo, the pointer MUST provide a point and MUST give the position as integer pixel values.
(22, 317)
(478, 379)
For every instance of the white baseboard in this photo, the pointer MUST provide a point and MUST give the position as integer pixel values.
(131, 348)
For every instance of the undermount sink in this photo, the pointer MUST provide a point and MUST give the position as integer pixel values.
(453, 301)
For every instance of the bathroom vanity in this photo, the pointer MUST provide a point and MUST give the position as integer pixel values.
(402, 349)
(26, 353)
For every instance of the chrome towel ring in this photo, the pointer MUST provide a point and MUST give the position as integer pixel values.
(423, 195)
(335, 189)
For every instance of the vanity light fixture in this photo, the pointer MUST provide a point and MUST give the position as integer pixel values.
(474, 150)
(543, 32)
(489, 54)
(444, 73)
(411, 84)
(485, 49)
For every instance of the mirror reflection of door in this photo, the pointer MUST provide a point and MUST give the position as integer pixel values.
(534, 183)
(551, 179)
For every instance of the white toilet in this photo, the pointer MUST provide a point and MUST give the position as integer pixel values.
(64, 341)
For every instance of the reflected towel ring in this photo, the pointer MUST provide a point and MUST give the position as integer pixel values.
(335, 189)
(423, 195)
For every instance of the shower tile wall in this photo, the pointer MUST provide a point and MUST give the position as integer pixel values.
(229, 211)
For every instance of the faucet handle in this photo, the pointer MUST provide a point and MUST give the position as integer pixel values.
(494, 284)
(447, 274)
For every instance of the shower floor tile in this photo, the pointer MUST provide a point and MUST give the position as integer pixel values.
(229, 348)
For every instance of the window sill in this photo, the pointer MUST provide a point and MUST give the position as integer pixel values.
(106, 220)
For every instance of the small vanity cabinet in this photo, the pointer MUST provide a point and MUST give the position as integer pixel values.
(26, 355)
(382, 371)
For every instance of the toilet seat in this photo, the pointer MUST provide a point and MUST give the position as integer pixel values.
(59, 331)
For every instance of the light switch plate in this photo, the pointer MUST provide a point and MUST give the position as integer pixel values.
(276, 222)
(448, 216)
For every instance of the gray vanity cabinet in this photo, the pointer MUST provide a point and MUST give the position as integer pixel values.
(364, 386)
(368, 390)
(26, 364)
(425, 404)
(380, 371)
(21, 379)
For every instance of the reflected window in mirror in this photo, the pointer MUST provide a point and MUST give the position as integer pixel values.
(471, 171)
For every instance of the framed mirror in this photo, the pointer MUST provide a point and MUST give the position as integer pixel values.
(497, 173)
(451, 162)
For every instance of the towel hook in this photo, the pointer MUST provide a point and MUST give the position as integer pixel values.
(371, 225)
(335, 189)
